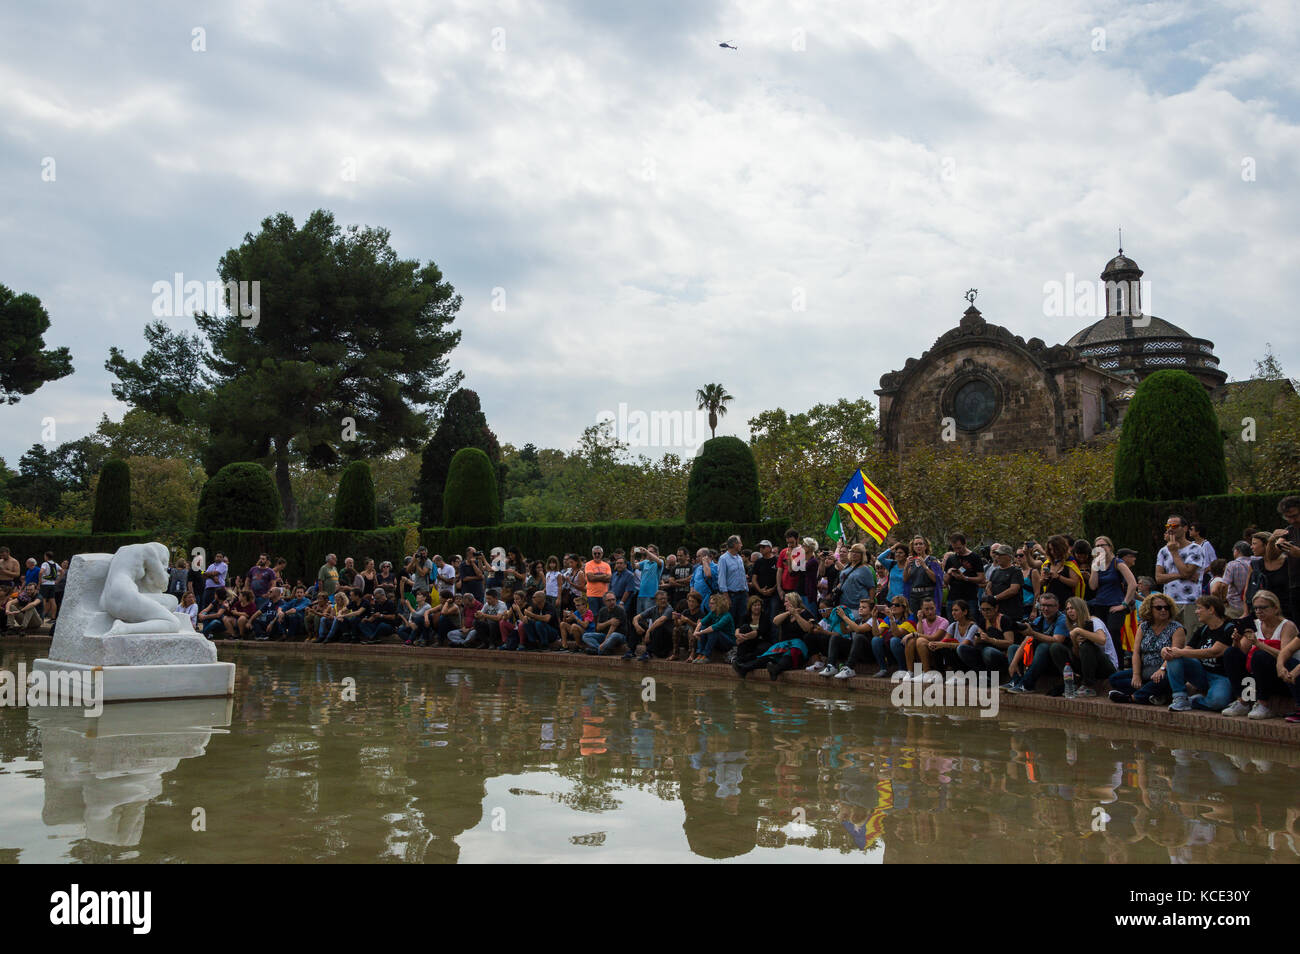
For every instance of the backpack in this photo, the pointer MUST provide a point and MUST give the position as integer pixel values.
(1258, 581)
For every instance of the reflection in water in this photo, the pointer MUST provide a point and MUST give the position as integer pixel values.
(454, 763)
(104, 771)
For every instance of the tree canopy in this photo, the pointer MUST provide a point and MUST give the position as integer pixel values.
(345, 357)
(25, 363)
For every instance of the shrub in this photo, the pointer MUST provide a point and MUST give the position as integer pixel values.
(304, 550)
(65, 544)
(354, 504)
(724, 483)
(112, 499)
(1171, 445)
(471, 497)
(463, 425)
(240, 496)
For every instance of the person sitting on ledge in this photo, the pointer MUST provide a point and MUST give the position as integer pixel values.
(654, 628)
(846, 623)
(689, 612)
(611, 628)
(888, 630)
(487, 621)
(716, 630)
(987, 651)
(780, 657)
(1093, 656)
(415, 631)
(1201, 663)
(541, 626)
(1270, 657)
(1046, 644)
(23, 610)
(577, 623)
(1157, 629)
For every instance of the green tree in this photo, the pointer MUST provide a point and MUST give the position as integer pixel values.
(462, 425)
(471, 498)
(25, 364)
(723, 483)
(112, 499)
(354, 505)
(240, 496)
(343, 358)
(143, 433)
(1170, 446)
(1258, 418)
(714, 399)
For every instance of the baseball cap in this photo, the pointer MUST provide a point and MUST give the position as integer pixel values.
(1125, 551)
(764, 543)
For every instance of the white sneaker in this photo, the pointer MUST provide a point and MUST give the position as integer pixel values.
(828, 671)
(1261, 711)
(815, 667)
(845, 673)
(1238, 708)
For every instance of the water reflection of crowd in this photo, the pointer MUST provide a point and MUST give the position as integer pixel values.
(749, 766)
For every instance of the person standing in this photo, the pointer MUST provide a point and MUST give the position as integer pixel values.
(764, 579)
(214, 578)
(732, 579)
(598, 574)
(1179, 569)
(328, 576)
(651, 567)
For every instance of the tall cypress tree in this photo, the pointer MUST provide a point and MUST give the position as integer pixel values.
(112, 499)
(462, 425)
(1171, 446)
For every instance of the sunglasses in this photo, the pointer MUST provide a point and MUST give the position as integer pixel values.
(1161, 608)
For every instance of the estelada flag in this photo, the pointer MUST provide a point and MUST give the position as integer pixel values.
(869, 508)
(1128, 633)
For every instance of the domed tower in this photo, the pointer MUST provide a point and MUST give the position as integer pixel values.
(1132, 344)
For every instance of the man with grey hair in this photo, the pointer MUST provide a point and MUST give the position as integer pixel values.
(1004, 583)
(732, 579)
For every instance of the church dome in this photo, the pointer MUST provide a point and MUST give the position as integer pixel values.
(1114, 328)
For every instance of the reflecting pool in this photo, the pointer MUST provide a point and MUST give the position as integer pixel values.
(367, 760)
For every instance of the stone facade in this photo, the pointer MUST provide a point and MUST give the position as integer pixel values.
(993, 392)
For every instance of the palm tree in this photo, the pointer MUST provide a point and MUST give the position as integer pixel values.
(713, 398)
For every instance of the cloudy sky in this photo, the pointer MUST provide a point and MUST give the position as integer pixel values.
(791, 219)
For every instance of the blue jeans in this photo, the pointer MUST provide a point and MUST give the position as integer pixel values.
(883, 646)
(375, 630)
(539, 633)
(1217, 689)
(715, 640)
(1123, 681)
(982, 658)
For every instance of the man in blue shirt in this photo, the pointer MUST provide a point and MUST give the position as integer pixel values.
(651, 567)
(732, 579)
(268, 610)
(704, 578)
(1051, 640)
(291, 618)
(622, 583)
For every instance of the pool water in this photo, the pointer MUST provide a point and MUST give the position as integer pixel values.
(372, 760)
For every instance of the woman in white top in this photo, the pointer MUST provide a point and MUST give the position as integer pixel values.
(189, 608)
(553, 578)
(1092, 648)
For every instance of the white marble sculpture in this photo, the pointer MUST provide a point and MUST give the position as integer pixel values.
(115, 616)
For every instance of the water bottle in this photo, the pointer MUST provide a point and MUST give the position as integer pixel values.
(1067, 677)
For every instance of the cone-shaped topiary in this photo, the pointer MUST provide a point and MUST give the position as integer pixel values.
(462, 425)
(724, 483)
(112, 499)
(470, 499)
(354, 504)
(240, 496)
(1170, 447)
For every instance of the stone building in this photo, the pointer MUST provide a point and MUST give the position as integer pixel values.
(986, 389)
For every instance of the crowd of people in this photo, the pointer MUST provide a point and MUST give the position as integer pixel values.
(1066, 615)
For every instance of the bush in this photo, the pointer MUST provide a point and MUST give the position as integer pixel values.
(304, 550)
(64, 544)
(540, 540)
(354, 504)
(1140, 524)
(240, 496)
(1171, 446)
(113, 499)
(724, 483)
(471, 497)
(462, 425)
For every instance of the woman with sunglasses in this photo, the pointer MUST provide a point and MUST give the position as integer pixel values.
(1158, 628)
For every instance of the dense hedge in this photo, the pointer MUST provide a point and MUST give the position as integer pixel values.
(724, 483)
(354, 504)
(1171, 445)
(540, 540)
(112, 499)
(1140, 524)
(239, 496)
(64, 544)
(471, 494)
(304, 550)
